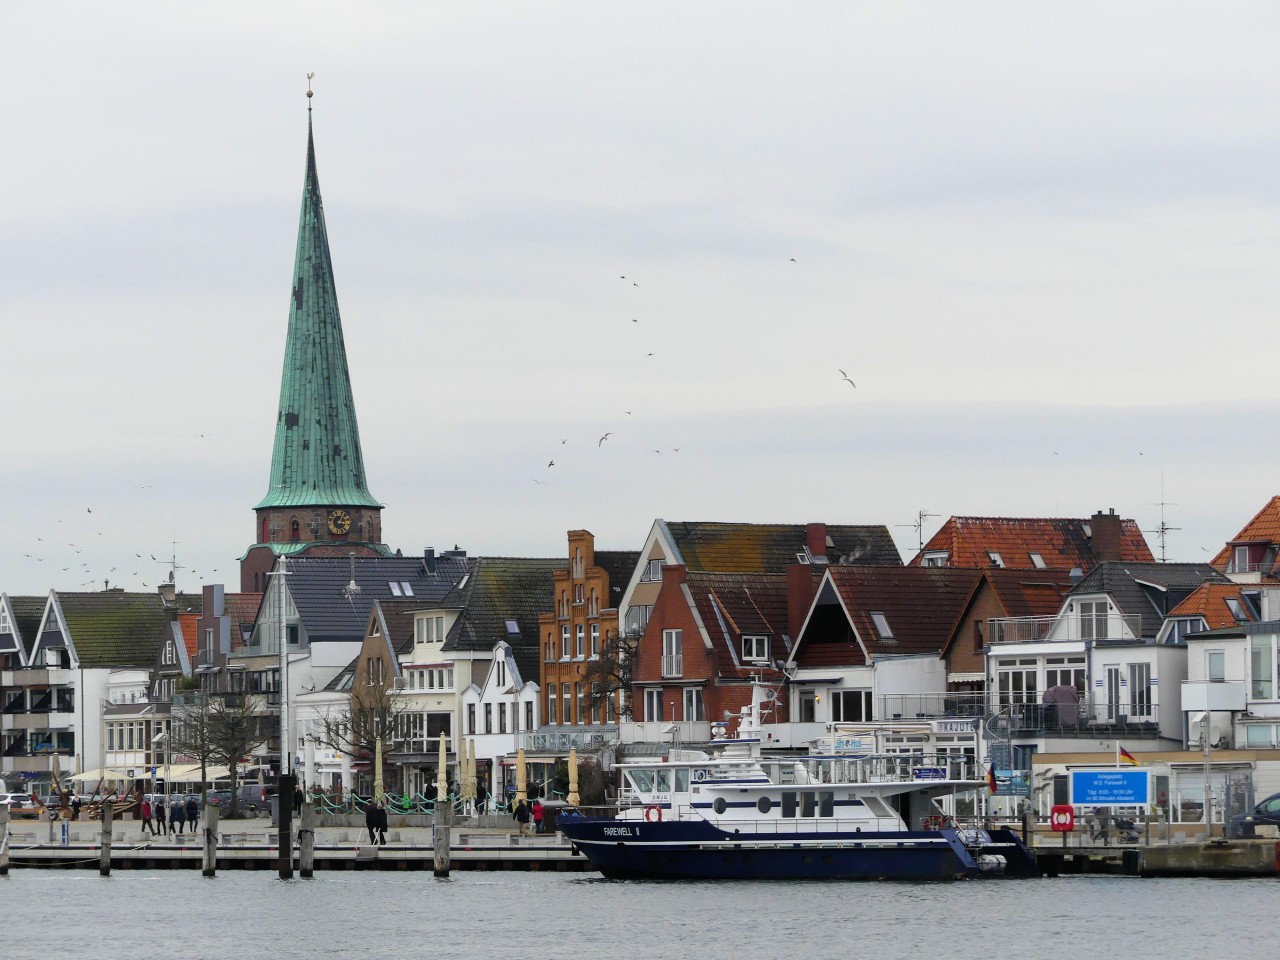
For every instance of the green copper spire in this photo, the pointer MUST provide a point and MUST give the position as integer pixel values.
(316, 460)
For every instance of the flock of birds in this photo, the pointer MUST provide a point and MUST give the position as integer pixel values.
(551, 462)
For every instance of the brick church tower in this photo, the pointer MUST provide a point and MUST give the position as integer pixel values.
(318, 503)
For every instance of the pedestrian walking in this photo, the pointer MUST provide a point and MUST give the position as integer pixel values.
(521, 816)
(371, 821)
(75, 808)
(382, 825)
(537, 815)
(145, 812)
(298, 797)
(177, 817)
(158, 809)
(193, 812)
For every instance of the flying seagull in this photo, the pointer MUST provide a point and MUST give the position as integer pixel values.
(551, 464)
(847, 380)
(600, 442)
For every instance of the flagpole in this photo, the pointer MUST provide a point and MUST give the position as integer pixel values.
(1117, 754)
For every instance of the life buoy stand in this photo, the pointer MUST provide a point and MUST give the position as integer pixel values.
(652, 814)
(934, 823)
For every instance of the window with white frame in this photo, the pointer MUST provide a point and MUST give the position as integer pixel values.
(693, 704)
(1240, 559)
(995, 558)
(502, 718)
(564, 642)
(755, 648)
(595, 640)
(851, 706)
(673, 653)
(1065, 672)
(580, 641)
(528, 714)
(638, 617)
(653, 705)
(553, 693)
(652, 571)
(1217, 664)
(1140, 691)
(1037, 560)
(1017, 682)
(1264, 678)
(471, 719)
(488, 718)
(882, 625)
(580, 696)
(935, 559)
(1093, 619)
(566, 703)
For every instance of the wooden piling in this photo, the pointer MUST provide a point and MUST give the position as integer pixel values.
(284, 820)
(441, 834)
(307, 839)
(104, 842)
(4, 840)
(210, 840)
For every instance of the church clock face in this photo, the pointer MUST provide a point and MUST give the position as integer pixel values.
(339, 522)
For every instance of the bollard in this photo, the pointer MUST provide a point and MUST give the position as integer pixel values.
(284, 822)
(307, 840)
(104, 851)
(211, 813)
(441, 833)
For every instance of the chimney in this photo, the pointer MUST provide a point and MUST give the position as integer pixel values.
(429, 560)
(169, 594)
(673, 573)
(802, 585)
(1107, 535)
(815, 538)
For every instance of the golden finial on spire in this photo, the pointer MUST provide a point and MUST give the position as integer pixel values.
(309, 93)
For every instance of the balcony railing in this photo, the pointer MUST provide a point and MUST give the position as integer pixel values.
(558, 741)
(1088, 718)
(932, 706)
(204, 658)
(673, 665)
(1116, 626)
(665, 732)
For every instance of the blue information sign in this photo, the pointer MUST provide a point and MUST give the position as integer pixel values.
(1110, 788)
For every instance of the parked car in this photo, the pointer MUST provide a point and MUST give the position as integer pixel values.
(1267, 812)
(19, 804)
(255, 798)
(219, 798)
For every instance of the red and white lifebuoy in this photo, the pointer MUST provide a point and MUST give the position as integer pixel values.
(652, 814)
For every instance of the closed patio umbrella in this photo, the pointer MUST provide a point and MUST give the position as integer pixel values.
(573, 799)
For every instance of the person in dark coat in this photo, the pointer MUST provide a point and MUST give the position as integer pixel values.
(193, 813)
(521, 815)
(298, 797)
(371, 822)
(177, 817)
(382, 824)
(161, 828)
(75, 808)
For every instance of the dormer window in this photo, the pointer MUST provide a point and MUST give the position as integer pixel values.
(653, 570)
(937, 558)
(1240, 559)
(755, 649)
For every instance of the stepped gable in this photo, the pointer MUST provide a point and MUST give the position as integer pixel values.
(772, 547)
(501, 589)
(1062, 543)
(1148, 590)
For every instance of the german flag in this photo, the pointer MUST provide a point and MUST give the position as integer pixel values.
(1128, 757)
(991, 779)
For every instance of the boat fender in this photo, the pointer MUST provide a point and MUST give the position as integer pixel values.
(653, 813)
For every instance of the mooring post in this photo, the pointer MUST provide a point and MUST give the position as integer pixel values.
(210, 840)
(104, 842)
(442, 834)
(4, 840)
(307, 839)
(284, 820)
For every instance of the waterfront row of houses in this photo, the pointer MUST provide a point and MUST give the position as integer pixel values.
(1005, 639)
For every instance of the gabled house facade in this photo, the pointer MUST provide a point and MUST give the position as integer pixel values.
(499, 708)
(1250, 556)
(709, 639)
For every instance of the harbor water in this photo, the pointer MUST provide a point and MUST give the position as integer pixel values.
(477, 915)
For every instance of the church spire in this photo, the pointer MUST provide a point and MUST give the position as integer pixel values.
(316, 460)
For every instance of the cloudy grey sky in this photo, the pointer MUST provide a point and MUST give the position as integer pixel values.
(1042, 239)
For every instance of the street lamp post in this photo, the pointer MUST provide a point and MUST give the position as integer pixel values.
(284, 780)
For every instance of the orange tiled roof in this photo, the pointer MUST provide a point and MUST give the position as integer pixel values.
(1210, 601)
(1263, 528)
(190, 637)
(1061, 542)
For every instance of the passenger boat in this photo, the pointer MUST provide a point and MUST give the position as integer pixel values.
(732, 813)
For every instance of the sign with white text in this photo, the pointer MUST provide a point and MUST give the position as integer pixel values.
(1110, 788)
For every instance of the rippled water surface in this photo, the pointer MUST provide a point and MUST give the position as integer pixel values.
(477, 915)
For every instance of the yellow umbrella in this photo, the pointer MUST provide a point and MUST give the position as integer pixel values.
(442, 781)
(572, 799)
(378, 793)
(522, 782)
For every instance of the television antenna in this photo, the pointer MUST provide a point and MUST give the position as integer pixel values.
(1163, 530)
(918, 526)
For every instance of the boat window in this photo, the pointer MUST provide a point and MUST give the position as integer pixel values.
(682, 781)
(764, 804)
(662, 781)
(642, 780)
(826, 803)
(720, 805)
(788, 803)
(808, 802)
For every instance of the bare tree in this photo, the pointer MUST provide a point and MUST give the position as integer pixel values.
(220, 729)
(373, 711)
(612, 672)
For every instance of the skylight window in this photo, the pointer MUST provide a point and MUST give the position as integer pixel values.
(882, 625)
(996, 559)
(406, 588)
(1037, 561)
(395, 588)
(513, 627)
(1237, 610)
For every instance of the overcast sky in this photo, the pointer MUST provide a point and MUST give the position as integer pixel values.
(1042, 239)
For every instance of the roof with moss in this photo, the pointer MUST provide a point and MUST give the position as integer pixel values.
(115, 629)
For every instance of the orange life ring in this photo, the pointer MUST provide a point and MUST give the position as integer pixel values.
(653, 814)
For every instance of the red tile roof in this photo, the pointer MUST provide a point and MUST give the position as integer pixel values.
(190, 636)
(1210, 601)
(920, 604)
(1061, 542)
(732, 605)
(1263, 528)
(1024, 593)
